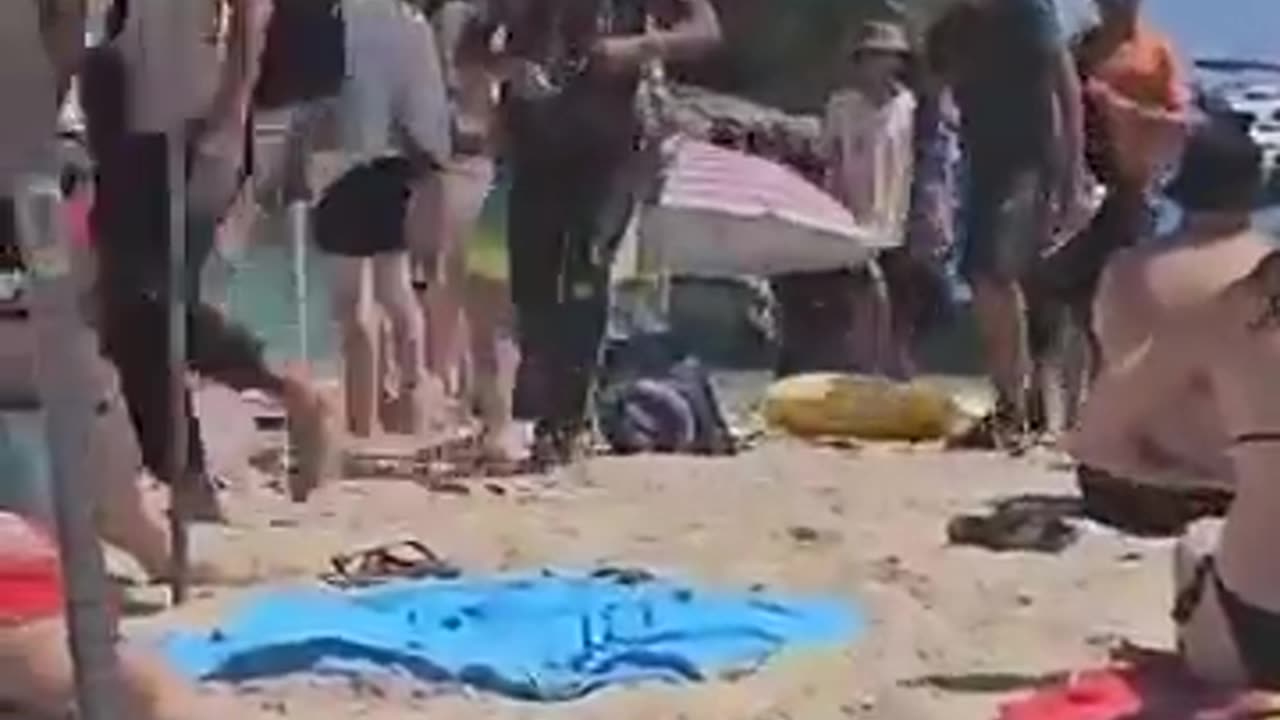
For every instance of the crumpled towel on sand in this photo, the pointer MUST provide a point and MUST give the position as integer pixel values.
(1159, 691)
(542, 638)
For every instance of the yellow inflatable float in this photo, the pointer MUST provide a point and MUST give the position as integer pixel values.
(869, 408)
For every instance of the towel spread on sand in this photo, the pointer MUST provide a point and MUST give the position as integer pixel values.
(1159, 691)
(541, 638)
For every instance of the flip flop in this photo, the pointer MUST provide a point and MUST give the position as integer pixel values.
(1013, 529)
(405, 560)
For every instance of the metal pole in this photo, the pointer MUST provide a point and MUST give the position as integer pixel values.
(297, 198)
(176, 178)
(66, 350)
(177, 466)
(299, 232)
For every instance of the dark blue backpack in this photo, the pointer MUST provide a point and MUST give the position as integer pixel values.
(656, 398)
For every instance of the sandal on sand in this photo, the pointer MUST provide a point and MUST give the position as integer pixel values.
(1000, 430)
(1013, 528)
(406, 560)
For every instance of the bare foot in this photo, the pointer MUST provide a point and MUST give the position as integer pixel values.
(503, 451)
(311, 438)
(207, 574)
(404, 413)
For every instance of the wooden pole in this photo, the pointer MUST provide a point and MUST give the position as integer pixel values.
(66, 350)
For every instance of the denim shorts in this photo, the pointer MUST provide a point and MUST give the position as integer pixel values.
(1006, 224)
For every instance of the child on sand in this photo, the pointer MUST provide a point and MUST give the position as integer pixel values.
(1228, 599)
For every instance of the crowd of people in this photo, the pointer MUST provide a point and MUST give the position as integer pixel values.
(979, 143)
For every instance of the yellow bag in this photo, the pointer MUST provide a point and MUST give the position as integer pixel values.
(870, 408)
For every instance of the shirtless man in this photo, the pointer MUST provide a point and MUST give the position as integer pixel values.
(1228, 604)
(1182, 444)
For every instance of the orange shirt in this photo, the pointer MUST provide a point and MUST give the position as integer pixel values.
(1145, 69)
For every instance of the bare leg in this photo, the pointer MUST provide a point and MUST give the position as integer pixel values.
(351, 310)
(1206, 641)
(458, 201)
(37, 675)
(123, 517)
(431, 238)
(393, 292)
(1001, 315)
(495, 357)
(870, 337)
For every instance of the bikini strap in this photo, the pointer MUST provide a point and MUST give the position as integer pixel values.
(1257, 437)
(1189, 596)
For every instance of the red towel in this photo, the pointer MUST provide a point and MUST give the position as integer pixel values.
(1155, 687)
(1094, 695)
(30, 576)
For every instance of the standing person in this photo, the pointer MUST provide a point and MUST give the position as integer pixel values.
(392, 136)
(1137, 101)
(130, 106)
(464, 308)
(572, 130)
(841, 320)
(919, 286)
(1018, 92)
(870, 138)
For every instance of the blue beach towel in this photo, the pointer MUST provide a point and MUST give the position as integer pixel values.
(540, 638)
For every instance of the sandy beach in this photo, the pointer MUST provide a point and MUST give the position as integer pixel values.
(952, 631)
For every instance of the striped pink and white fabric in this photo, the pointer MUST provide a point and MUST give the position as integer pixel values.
(723, 212)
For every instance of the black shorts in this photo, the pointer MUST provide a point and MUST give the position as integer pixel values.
(363, 213)
(1146, 509)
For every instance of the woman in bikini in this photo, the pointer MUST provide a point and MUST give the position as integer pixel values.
(1228, 600)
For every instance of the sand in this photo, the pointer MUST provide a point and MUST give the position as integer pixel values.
(954, 631)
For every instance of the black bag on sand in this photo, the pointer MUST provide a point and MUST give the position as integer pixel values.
(655, 398)
(305, 56)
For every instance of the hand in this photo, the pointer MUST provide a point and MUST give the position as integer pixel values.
(1072, 206)
(616, 54)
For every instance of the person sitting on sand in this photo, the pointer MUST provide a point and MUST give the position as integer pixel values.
(1185, 450)
(1228, 602)
(37, 675)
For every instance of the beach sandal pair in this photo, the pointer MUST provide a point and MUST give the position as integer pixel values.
(404, 560)
(1018, 527)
